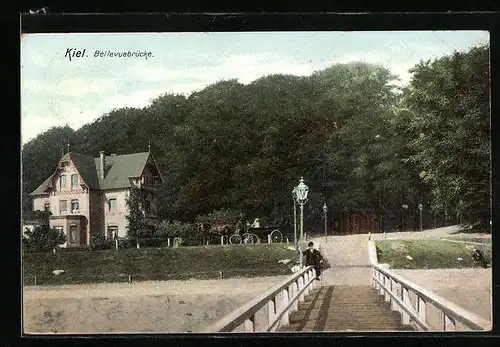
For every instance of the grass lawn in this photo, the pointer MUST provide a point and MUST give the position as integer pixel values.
(202, 262)
(428, 254)
(472, 239)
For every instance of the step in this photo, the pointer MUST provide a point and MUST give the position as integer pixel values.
(353, 305)
(346, 328)
(300, 315)
(345, 308)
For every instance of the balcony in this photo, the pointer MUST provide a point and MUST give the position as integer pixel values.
(150, 181)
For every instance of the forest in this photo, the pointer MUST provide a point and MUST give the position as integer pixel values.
(358, 139)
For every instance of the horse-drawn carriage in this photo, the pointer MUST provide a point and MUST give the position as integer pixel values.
(246, 234)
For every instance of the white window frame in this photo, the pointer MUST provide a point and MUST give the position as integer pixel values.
(109, 204)
(61, 186)
(77, 181)
(113, 227)
(72, 238)
(60, 206)
(73, 201)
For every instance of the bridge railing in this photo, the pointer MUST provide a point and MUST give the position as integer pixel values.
(267, 312)
(398, 291)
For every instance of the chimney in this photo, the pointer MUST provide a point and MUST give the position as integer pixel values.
(103, 162)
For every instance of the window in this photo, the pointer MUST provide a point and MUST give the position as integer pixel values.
(112, 232)
(60, 229)
(72, 233)
(46, 207)
(147, 206)
(112, 204)
(63, 207)
(63, 181)
(75, 206)
(74, 181)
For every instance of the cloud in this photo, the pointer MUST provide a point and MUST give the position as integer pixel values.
(68, 86)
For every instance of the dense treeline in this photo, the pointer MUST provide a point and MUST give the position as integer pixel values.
(358, 140)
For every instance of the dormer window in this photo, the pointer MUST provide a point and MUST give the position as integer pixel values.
(63, 181)
(74, 181)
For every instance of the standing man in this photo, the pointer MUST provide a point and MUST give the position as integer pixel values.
(313, 258)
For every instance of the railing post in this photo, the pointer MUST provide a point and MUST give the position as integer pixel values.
(381, 290)
(271, 311)
(295, 293)
(448, 323)
(284, 304)
(301, 286)
(421, 309)
(306, 281)
(249, 325)
(405, 317)
(387, 281)
(394, 305)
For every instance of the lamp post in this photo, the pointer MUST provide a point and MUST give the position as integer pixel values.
(420, 207)
(325, 209)
(301, 191)
(294, 196)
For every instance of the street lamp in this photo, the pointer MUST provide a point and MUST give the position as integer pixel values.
(294, 196)
(420, 207)
(325, 209)
(301, 191)
(403, 212)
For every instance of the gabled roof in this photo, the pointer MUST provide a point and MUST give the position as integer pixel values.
(86, 168)
(42, 188)
(118, 170)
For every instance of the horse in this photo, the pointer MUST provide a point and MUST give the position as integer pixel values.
(218, 229)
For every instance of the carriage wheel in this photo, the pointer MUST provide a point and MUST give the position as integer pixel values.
(235, 239)
(276, 236)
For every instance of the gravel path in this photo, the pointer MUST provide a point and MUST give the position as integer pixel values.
(468, 288)
(156, 307)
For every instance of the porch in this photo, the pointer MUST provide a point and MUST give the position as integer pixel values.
(75, 227)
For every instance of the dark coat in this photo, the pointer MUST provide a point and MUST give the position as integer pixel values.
(312, 258)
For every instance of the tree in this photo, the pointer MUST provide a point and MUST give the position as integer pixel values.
(136, 227)
(43, 239)
(448, 100)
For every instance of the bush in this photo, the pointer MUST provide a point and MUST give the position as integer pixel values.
(222, 216)
(98, 241)
(176, 229)
(43, 239)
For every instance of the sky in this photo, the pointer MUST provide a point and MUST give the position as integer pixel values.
(57, 91)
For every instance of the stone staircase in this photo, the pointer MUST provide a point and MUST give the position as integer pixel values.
(343, 309)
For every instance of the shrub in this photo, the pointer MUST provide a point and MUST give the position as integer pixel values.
(98, 241)
(222, 216)
(188, 232)
(43, 239)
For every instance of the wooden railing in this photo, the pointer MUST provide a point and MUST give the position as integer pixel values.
(267, 312)
(398, 291)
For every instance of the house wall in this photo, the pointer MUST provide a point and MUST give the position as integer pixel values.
(147, 173)
(39, 203)
(66, 222)
(97, 214)
(118, 217)
(65, 193)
